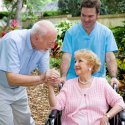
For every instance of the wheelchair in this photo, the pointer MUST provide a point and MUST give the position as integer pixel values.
(54, 117)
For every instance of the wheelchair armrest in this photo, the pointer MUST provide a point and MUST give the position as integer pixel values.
(122, 115)
(53, 117)
(53, 113)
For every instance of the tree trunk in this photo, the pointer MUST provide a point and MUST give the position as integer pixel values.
(18, 12)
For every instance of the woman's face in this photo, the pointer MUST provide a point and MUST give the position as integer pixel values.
(81, 66)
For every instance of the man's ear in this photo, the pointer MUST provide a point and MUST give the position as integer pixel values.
(36, 36)
(98, 15)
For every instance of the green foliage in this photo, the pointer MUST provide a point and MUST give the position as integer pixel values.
(56, 53)
(12, 26)
(51, 13)
(32, 8)
(104, 8)
(55, 62)
(11, 8)
(47, 1)
(121, 63)
(10, 4)
(119, 33)
(70, 6)
(107, 7)
(3, 14)
(62, 27)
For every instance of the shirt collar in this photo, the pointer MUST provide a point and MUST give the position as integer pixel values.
(28, 41)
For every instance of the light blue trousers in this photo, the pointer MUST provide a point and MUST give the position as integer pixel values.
(14, 108)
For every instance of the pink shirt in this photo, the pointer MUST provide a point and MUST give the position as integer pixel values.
(88, 105)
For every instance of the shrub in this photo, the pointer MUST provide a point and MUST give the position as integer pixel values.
(56, 53)
(119, 34)
(62, 27)
(13, 25)
(51, 13)
(107, 7)
(70, 7)
(55, 62)
(3, 14)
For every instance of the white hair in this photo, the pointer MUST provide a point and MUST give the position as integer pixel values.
(42, 27)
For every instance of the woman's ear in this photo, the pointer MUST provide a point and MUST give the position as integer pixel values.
(89, 69)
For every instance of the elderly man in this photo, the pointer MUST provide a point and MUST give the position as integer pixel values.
(21, 51)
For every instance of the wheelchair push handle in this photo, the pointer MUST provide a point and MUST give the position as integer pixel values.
(122, 113)
(60, 85)
(115, 86)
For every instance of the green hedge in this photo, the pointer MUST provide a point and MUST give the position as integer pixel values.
(51, 13)
(119, 33)
(3, 14)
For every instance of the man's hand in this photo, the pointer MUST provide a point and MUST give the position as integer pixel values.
(52, 76)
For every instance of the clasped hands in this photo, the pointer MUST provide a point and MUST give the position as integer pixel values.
(52, 77)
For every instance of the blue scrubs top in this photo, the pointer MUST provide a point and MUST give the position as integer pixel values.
(18, 56)
(100, 41)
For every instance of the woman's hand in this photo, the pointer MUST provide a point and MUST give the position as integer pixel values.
(63, 79)
(104, 120)
(52, 76)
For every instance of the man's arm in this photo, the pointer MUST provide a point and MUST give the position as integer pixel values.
(65, 64)
(112, 67)
(24, 80)
(111, 64)
(30, 80)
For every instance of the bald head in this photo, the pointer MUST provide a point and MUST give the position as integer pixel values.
(43, 35)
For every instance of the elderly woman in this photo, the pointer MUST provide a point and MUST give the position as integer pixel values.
(86, 99)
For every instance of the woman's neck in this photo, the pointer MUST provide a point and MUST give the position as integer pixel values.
(85, 80)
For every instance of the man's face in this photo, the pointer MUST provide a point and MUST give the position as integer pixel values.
(88, 17)
(46, 42)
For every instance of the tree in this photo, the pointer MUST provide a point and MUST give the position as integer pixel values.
(107, 6)
(14, 8)
(10, 6)
(112, 6)
(65, 6)
(18, 12)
